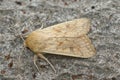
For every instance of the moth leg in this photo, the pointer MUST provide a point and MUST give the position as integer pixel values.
(41, 56)
(35, 60)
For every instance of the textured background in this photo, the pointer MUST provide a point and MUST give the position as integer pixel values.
(20, 17)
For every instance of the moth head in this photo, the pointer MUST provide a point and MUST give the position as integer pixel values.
(35, 42)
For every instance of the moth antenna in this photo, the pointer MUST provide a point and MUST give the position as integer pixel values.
(41, 27)
(22, 38)
(41, 56)
(35, 59)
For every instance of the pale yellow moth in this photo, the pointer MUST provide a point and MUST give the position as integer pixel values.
(68, 39)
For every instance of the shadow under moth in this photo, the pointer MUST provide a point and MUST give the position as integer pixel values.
(68, 39)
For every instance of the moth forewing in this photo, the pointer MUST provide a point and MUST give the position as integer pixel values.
(73, 28)
(70, 46)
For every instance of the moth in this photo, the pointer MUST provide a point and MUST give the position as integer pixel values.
(67, 38)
